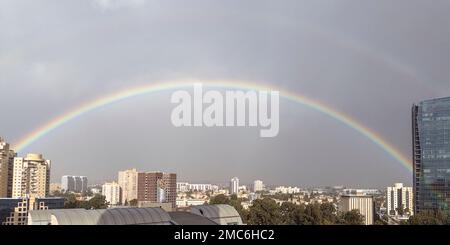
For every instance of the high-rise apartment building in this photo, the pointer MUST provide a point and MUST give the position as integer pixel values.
(84, 184)
(431, 155)
(6, 166)
(157, 187)
(31, 176)
(77, 184)
(128, 181)
(111, 191)
(363, 203)
(234, 186)
(67, 183)
(258, 185)
(399, 200)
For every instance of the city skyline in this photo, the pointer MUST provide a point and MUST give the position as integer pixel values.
(55, 63)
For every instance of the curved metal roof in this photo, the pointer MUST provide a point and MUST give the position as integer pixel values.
(39, 217)
(117, 216)
(186, 218)
(221, 213)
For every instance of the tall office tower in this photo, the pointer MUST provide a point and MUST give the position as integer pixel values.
(431, 154)
(128, 181)
(258, 185)
(234, 186)
(157, 187)
(6, 156)
(31, 176)
(363, 203)
(399, 200)
(111, 191)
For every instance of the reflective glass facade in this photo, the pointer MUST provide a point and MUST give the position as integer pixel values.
(431, 154)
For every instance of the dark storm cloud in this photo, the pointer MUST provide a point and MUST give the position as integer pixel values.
(369, 59)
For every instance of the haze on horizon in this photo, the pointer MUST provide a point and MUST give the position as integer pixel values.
(369, 59)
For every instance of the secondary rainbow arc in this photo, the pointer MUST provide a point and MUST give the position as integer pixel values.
(161, 86)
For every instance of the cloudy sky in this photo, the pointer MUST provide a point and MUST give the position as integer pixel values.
(368, 59)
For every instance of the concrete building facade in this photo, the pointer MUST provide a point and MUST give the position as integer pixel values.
(111, 191)
(234, 186)
(258, 185)
(399, 200)
(77, 184)
(31, 176)
(6, 166)
(363, 203)
(157, 187)
(128, 181)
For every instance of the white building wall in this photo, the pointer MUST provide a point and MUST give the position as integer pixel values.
(234, 186)
(363, 203)
(128, 181)
(258, 185)
(392, 199)
(111, 191)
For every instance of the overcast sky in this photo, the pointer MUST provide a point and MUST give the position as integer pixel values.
(368, 59)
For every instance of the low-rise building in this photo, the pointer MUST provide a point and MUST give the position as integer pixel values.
(14, 211)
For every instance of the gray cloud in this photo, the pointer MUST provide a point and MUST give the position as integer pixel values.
(370, 60)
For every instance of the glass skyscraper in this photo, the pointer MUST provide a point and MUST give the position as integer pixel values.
(431, 154)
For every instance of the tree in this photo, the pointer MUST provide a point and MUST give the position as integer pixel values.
(264, 212)
(219, 199)
(97, 202)
(380, 219)
(293, 214)
(88, 193)
(429, 217)
(313, 214)
(328, 213)
(71, 202)
(133, 203)
(352, 217)
(400, 210)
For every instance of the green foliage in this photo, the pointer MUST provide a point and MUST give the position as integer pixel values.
(380, 220)
(219, 199)
(264, 211)
(352, 217)
(71, 201)
(429, 217)
(400, 210)
(328, 211)
(133, 203)
(267, 211)
(292, 214)
(96, 202)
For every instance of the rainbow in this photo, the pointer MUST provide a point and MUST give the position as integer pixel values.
(161, 86)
